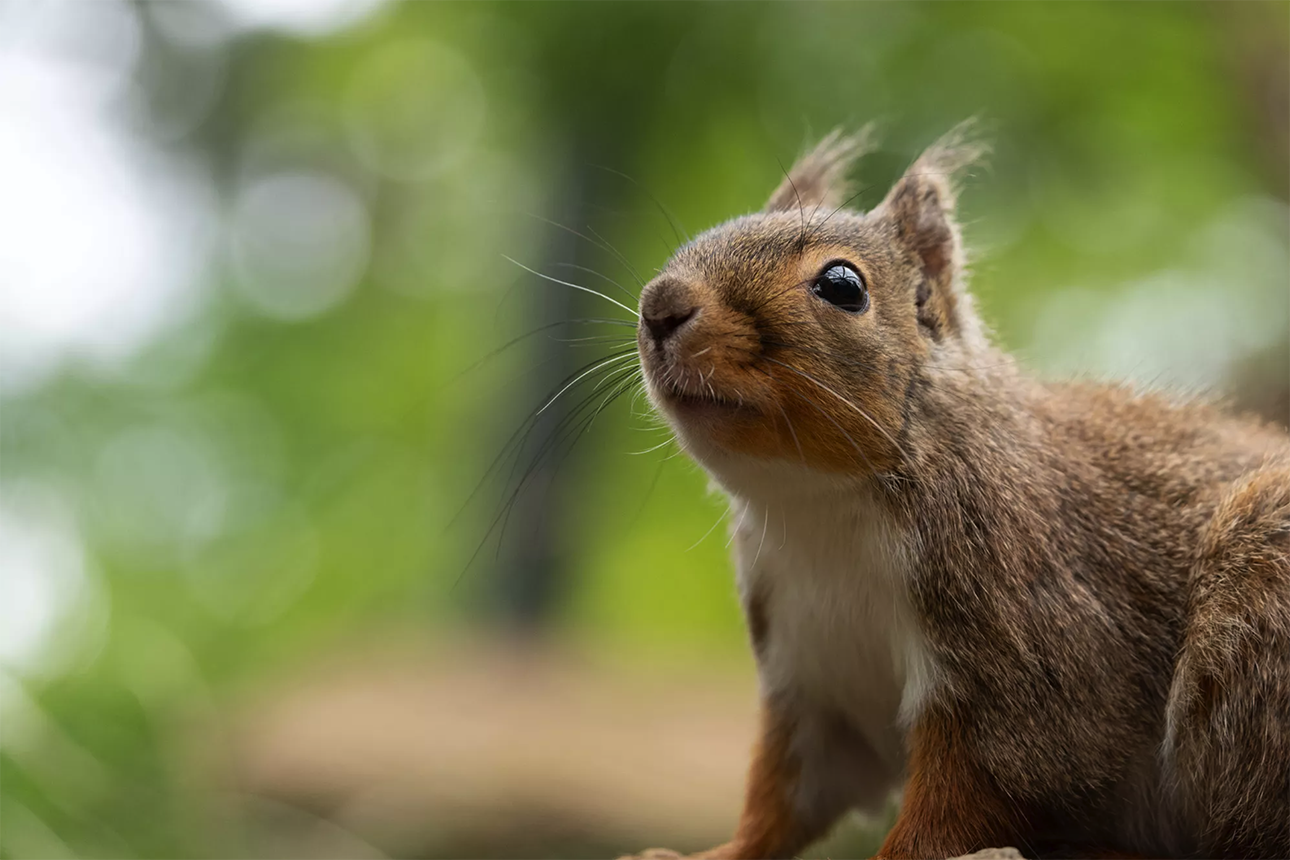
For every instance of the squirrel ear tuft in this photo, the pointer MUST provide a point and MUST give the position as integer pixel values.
(818, 179)
(921, 207)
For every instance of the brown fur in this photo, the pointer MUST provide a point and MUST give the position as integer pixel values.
(1102, 577)
(770, 825)
(952, 806)
(819, 177)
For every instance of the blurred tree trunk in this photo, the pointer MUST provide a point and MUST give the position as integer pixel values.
(532, 575)
(602, 121)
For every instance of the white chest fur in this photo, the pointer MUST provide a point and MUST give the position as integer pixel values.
(830, 576)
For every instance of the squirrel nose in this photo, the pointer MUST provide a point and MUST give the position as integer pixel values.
(667, 306)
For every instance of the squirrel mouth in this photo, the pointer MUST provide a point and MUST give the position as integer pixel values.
(709, 402)
(688, 393)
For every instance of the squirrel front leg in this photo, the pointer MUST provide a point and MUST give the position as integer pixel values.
(774, 822)
(951, 806)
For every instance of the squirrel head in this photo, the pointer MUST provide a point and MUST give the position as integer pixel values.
(796, 334)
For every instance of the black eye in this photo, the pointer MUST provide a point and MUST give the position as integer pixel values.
(841, 286)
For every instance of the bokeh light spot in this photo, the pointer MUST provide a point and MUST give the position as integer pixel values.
(1185, 328)
(95, 223)
(415, 109)
(45, 582)
(313, 18)
(299, 244)
(155, 483)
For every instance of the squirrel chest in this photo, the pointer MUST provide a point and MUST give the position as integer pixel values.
(823, 585)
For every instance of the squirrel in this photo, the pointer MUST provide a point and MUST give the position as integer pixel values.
(1055, 615)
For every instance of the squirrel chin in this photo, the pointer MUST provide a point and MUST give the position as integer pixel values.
(708, 415)
(686, 405)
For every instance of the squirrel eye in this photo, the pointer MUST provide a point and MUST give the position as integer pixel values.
(842, 286)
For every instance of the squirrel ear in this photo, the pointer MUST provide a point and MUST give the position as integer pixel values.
(818, 179)
(921, 207)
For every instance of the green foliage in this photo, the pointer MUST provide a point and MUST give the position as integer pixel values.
(248, 489)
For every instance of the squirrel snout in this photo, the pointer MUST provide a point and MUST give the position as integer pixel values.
(665, 307)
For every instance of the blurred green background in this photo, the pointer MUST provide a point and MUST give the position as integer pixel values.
(253, 319)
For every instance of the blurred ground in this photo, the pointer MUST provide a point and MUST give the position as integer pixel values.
(485, 749)
(490, 749)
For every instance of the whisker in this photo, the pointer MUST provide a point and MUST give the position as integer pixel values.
(651, 450)
(782, 291)
(734, 531)
(865, 415)
(602, 276)
(792, 432)
(833, 421)
(512, 445)
(667, 213)
(606, 248)
(596, 339)
(844, 205)
(573, 425)
(764, 522)
(709, 531)
(602, 380)
(553, 439)
(499, 350)
(619, 254)
(843, 431)
(620, 357)
(546, 277)
(829, 356)
(836, 358)
(627, 216)
(801, 236)
(658, 473)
